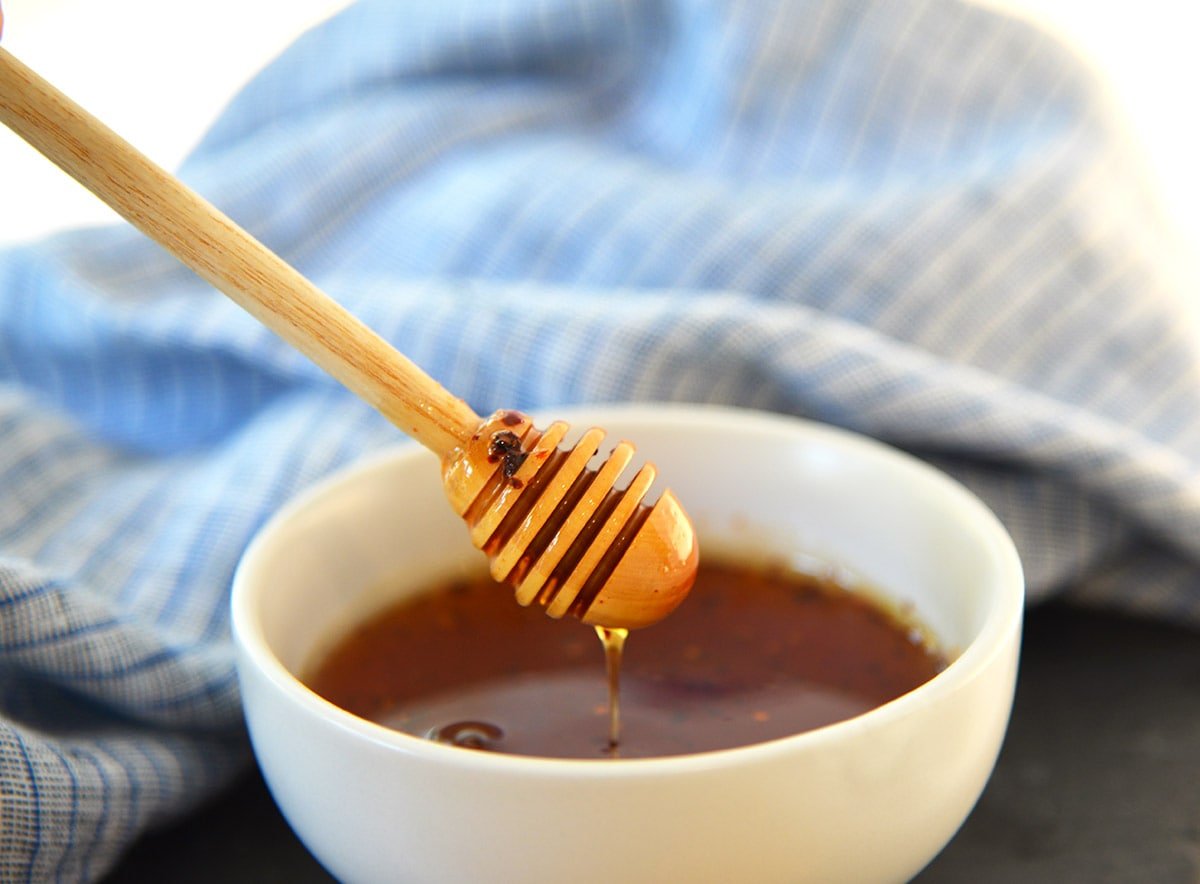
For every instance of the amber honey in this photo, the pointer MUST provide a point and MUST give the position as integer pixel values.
(754, 654)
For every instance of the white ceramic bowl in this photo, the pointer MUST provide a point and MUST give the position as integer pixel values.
(873, 798)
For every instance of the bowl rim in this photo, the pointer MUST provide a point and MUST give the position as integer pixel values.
(1001, 628)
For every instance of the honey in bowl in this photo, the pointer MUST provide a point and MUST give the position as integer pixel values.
(753, 655)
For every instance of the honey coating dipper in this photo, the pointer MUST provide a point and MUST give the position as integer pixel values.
(564, 534)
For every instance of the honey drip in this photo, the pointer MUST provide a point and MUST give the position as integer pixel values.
(613, 640)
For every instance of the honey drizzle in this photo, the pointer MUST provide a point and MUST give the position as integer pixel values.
(613, 640)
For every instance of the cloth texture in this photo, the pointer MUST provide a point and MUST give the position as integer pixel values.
(918, 220)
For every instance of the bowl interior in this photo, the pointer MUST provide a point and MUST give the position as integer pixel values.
(758, 488)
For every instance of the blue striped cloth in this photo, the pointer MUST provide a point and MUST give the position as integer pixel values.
(914, 219)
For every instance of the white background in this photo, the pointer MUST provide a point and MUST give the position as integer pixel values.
(159, 71)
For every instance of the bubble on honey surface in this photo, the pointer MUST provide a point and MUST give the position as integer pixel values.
(468, 735)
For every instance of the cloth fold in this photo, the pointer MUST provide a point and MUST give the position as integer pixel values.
(918, 220)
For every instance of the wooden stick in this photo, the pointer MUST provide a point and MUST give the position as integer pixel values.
(224, 254)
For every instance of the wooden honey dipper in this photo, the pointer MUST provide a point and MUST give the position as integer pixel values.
(561, 533)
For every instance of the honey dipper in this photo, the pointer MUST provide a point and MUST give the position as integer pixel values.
(556, 530)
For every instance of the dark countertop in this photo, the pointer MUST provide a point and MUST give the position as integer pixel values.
(1098, 781)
